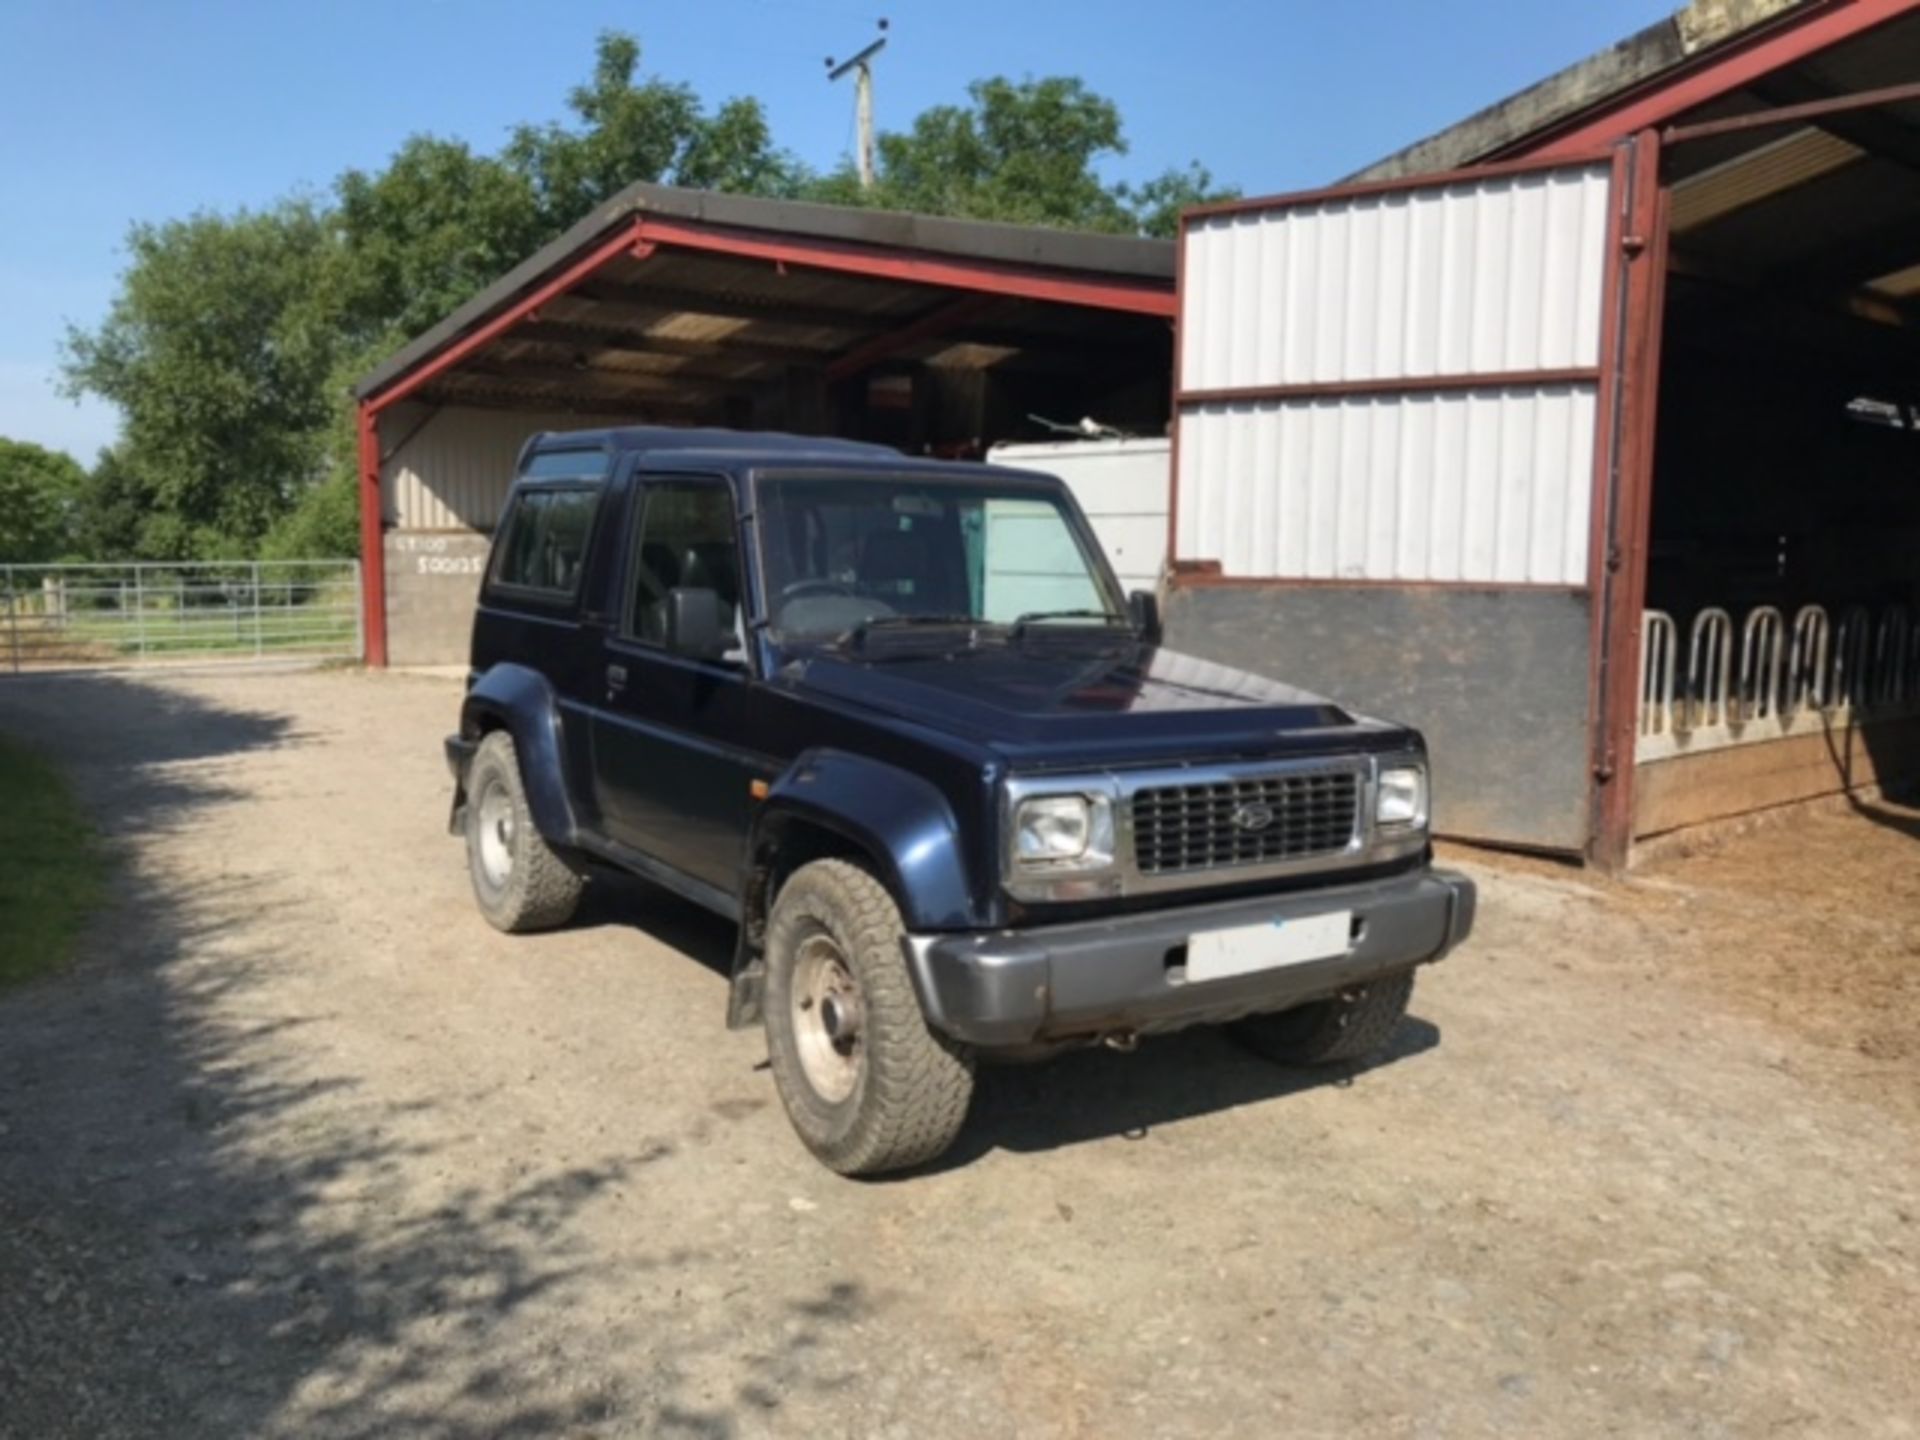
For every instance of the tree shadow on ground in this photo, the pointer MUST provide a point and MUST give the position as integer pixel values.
(192, 1242)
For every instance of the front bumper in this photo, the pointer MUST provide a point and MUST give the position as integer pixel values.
(1061, 982)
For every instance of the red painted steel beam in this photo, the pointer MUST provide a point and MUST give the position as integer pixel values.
(1139, 297)
(1622, 518)
(1715, 74)
(939, 322)
(373, 559)
(625, 241)
(1792, 114)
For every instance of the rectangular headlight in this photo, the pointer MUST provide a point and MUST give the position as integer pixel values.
(1402, 797)
(1053, 828)
(1055, 833)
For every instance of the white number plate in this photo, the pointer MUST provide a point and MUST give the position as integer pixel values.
(1220, 954)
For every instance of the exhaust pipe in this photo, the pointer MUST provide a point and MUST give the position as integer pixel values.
(1125, 1041)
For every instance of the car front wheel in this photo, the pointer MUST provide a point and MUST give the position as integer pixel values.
(520, 883)
(868, 1087)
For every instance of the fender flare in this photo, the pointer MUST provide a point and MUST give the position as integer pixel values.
(899, 819)
(522, 702)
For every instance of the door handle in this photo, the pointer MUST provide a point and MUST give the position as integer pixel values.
(616, 677)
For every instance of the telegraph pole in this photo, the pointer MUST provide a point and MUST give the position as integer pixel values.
(862, 67)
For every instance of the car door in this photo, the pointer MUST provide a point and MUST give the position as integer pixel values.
(672, 768)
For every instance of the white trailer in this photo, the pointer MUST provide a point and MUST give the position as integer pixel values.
(1123, 487)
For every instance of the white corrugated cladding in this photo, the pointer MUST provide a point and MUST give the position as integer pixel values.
(452, 472)
(1488, 486)
(1475, 483)
(1123, 487)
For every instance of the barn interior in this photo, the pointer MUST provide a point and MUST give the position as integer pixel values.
(667, 306)
(1780, 652)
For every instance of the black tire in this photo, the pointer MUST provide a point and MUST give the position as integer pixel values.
(1356, 1023)
(519, 882)
(906, 1089)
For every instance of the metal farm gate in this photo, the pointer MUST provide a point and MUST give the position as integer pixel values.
(57, 617)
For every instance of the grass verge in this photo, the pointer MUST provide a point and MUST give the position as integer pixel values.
(52, 872)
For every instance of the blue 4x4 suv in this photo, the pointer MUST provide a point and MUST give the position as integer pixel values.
(895, 718)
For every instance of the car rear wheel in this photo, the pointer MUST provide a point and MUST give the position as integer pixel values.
(868, 1087)
(1351, 1025)
(520, 883)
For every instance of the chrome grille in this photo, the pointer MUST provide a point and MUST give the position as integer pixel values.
(1255, 820)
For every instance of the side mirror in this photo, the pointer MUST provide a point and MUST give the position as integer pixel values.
(1143, 608)
(697, 624)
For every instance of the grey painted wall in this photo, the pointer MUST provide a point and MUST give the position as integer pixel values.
(1497, 680)
(432, 582)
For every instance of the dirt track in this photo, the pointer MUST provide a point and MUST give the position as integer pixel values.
(304, 1149)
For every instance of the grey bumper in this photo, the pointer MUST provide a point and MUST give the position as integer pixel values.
(1017, 987)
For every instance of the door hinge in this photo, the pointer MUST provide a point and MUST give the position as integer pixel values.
(1615, 559)
(1633, 244)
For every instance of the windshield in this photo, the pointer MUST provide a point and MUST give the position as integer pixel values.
(846, 555)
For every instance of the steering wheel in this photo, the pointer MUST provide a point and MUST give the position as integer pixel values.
(817, 586)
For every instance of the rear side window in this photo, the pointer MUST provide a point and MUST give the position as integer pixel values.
(543, 545)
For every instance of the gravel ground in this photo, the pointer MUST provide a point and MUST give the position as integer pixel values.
(302, 1148)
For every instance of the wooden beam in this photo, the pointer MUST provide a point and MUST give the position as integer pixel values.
(1851, 260)
(615, 340)
(940, 322)
(1833, 342)
(637, 304)
(553, 355)
(459, 388)
(572, 376)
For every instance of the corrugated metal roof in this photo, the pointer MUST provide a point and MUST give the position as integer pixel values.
(1759, 173)
(810, 308)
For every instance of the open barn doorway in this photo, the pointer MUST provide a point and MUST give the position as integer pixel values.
(1780, 649)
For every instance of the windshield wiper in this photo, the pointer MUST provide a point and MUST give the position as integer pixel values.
(1108, 620)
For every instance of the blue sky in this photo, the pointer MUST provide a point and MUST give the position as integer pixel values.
(123, 111)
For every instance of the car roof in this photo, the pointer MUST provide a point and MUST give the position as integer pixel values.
(665, 441)
(736, 452)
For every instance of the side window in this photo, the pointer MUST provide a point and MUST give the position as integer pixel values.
(543, 547)
(687, 540)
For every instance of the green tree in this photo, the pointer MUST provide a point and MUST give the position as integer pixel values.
(233, 338)
(1156, 204)
(651, 129)
(1027, 152)
(422, 235)
(114, 509)
(217, 351)
(41, 494)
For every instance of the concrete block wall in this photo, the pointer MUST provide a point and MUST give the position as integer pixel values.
(433, 579)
